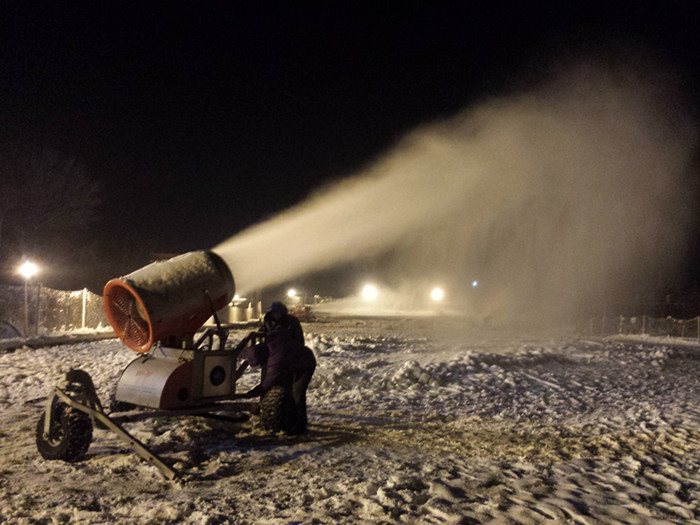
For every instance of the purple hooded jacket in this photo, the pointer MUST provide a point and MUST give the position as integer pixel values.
(281, 357)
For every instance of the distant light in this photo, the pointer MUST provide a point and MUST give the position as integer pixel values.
(291, 293)
(475, 284)
(437, 294)
(370, 293)
(236, 297)
(28, 270)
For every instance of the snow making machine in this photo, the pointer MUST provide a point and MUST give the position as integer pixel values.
(157, 311)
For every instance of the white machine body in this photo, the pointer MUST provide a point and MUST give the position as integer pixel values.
(172, 378)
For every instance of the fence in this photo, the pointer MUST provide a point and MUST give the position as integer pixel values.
(37, 310)
(646, 325)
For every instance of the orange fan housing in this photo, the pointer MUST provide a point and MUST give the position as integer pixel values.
(128, 316)
(167, 299)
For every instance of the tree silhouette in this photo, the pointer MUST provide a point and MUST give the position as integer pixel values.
(46, 200)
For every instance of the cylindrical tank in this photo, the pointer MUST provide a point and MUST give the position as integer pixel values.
(237, 314)
(249, 315)
(167, 298)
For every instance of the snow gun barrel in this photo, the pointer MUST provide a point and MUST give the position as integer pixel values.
(167, 299)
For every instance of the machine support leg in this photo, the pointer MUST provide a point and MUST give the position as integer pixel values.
(134, 443)
(49, 413)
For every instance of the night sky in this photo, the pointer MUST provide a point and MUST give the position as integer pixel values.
(201, 118)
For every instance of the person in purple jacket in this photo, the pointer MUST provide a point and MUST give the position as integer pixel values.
(278, 315)
(285, 362)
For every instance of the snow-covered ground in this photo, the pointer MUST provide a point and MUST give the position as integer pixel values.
(415, 421)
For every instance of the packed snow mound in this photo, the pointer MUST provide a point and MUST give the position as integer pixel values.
(35, 371)
(472, 383)
(406, 426)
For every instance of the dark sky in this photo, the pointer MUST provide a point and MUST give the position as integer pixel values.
(201, 118)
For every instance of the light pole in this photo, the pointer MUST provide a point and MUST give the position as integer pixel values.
(27, 270)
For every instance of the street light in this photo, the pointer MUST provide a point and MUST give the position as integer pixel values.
(437, 294)
(27, 270)
(370, 293)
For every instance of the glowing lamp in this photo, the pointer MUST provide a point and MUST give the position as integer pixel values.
(437, 294)
(291, 293)
(28, 270)
(370, 293)
(475, 283)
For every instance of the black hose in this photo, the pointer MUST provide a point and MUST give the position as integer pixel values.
(11, 326)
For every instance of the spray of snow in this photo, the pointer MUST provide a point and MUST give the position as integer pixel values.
(555, 197)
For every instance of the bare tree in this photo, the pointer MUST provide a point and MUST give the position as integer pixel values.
(44, 195)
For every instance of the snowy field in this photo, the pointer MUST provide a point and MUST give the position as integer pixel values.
(412, 421)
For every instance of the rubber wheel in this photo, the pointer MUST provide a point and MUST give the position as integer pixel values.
(69, 437)
(277, 410)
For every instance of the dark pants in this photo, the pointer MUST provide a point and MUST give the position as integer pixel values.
(300, 383)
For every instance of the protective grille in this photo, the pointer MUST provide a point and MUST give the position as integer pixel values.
(128, 319)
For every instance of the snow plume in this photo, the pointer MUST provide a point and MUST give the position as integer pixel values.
(561, 197)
